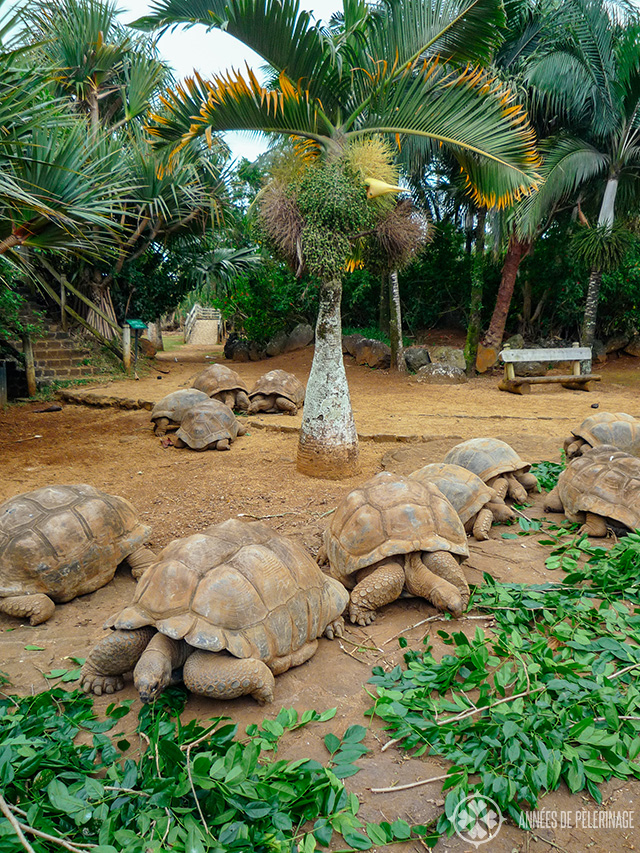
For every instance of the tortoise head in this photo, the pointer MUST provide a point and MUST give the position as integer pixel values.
(152, 675)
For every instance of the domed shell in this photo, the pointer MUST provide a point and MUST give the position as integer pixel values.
(617, 429)
(486, 457)
(390, 514)
(65, 540)
(238, 586)
(605, 481)
(282, 383)
(174, 405)
(206, 423)
(464, 490)
(216, 378)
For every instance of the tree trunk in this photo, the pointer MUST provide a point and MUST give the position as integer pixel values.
(154, 333)
(477, 287)
(328, 445)
(383, 307)
(29, 365)
(489, 348)
(395, 325)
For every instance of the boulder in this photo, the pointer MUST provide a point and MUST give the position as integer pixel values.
(147, 348)
(230, 344)
(349, 343)
(633, 347)
(530, 368)
(616, 343)
(373, 353)
(299, 338)
(276, 344)
(441, 374)
(256, 352)
(241, 351)
(598, 352)
(416, 357)
(514, 342)
(450, 356)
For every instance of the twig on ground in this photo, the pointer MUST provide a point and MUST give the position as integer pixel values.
(20, 829)
(193, 787)
(260, 517)
(351, 654)
(406, 787)
(6, 811)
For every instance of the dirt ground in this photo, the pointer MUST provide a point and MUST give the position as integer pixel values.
(178, 492)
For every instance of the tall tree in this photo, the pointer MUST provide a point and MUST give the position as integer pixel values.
(375, 70)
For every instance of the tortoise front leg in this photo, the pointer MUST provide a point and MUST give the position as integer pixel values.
(222, 444)
(229, 399)
(284, 405)
(595, 525)
(36, 608)
(482, 524)
(500, 486)
(426, 584)
(552, 502)
(160, 426)
(114, 655)
(377, 585)
(500, 511)
(221, 676)
(444, 566)
(242, 401)
(515, 489)
(260, 403)
(526, 479)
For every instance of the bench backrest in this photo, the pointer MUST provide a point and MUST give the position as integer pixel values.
(550, 354)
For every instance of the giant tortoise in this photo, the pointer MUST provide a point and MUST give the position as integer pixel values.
(617, 429)
(476, 503)
(209, 425)
(233, 605)
(223, 384)
(167, 414)
(393, 533)
(497, 463)
(601, 489)
(62, 541)
(276, 391)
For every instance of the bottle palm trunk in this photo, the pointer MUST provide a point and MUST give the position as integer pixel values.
(328, 445)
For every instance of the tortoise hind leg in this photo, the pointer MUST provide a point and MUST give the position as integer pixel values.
(37, 608)
(299, 656)
(140, 560)
(594, 525)
(377, 585)
(221, 676)
(284, 405)
(222, 444)
(434, 576)
(552, 502)
(482, 524)
(114, 655)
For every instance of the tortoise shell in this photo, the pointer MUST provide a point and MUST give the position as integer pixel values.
(206, 423)
(464, 490)
(281, 383)
(486, 457)
(175, 405)
(619, 429)
(65, 541)
(605, 481)
(390, 514)
(216, 378)
(238, 586)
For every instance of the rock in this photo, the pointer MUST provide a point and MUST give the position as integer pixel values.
(241, 351)
(616, 343)
(441, 374)
(349, 343)
(530, 368)
(299, 338)
(276, 345)
(373, 353)
(147, 348)
(416, 357)
(598, 352)
(514, 342)
(633, 347)
(230, 345)
(256, 352)
(450, 356)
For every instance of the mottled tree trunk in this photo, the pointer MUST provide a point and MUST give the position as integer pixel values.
(154, 333)
(395, 325)
(477, 287)
(489, 349)
(328, 445)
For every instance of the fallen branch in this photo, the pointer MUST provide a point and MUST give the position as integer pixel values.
(410, 785)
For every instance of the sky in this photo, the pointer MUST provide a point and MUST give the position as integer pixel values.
(210, 52)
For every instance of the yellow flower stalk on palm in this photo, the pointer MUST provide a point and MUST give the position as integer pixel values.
(377, 188)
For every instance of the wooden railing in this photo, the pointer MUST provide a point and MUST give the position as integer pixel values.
(199, 312)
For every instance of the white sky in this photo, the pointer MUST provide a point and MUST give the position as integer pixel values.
(210, 52)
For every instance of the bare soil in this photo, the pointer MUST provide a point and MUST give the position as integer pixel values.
(178, 492)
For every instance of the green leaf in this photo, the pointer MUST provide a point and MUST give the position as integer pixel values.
(32, 648)
(332, 743)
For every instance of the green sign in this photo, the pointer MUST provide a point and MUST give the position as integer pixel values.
(136, 324)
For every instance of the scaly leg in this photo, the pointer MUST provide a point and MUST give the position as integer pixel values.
(221, 676)
(500, 511)
(222, 444)
(377, 585)
(515, 489)
(552, 502)
(424, 582)
(500, 486)
(160, 426)
(114, 655)
(140, 560)
(595, 525)
(36, 608)
(284, 405)
(157, 662)
(529, 481)
(285, 662)
(242, 401)
(482, 524)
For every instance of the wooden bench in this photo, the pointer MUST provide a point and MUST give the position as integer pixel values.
(575, 381)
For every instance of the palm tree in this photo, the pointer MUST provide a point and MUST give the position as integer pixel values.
(375, 71)
(591, 77)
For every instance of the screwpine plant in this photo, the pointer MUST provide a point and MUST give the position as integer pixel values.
(553, 695)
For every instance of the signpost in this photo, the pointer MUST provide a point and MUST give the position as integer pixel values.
(138, 326)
